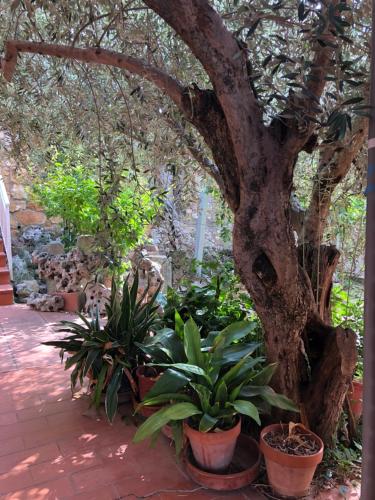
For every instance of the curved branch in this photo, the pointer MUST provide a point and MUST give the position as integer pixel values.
(196, 151)
(334, 164)
(160, 78)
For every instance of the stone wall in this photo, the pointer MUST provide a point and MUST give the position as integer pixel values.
(23, 212)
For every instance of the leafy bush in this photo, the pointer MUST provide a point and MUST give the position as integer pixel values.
(116, 216)
(217, 303)
(219, 381)
(348, 312)
(108, 352)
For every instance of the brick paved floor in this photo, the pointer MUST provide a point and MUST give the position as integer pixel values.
(49, 448)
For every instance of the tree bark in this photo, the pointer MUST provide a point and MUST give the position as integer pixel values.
(255, 166)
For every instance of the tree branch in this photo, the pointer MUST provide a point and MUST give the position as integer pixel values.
(334, 164)
(196, 151)
(225, 61)
(161, 79)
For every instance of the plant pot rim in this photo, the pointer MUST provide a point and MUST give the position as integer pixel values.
(212, 435)
(357, 381)
(139, 372)
(286, 459)
(230, 481)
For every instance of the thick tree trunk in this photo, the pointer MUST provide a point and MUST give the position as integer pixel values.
(320, 263)
(315, 361)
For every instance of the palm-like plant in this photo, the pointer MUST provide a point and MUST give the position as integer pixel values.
(218, 382)
(107, 352)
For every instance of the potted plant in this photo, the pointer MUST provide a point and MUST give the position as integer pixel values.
(108, 354)
(206, 396)
(291, 453)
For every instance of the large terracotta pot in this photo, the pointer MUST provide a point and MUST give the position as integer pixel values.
(290, 475)
(356, 398)
(145, 384)
(73, 301)
(213, 451)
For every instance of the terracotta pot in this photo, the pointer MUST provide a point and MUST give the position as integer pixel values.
(290, 475)
(145, 411)
(213, 451)
(243, 469)
(356, 398)
(73, 301)
(145, 382)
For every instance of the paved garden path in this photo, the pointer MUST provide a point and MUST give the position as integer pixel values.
(50, 450)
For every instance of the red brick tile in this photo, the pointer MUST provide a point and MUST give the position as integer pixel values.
(27, 402)
(29, 427)
(11, 446)
(90, 479)
(53, 490)
(17, 478)
(28, 457)
(61, 466)
(90, 440)
(103, 493)
(51, 408)
(50, 435)
(8, 418)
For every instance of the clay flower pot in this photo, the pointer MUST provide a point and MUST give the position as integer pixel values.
(73, 301)
(146, 381)
(213, 451)
(290, 475)
(356, 398)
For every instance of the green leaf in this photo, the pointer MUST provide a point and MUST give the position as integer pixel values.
(270, 396)
(179, 325)
(247, 408)
(204, 394)
(171, 381)
(353, 100)
(207, 423)
(221, 395)
(196, 370)
(192, 344)
(99, 385)
(264, 376)
(165, 398)
(178, 411)
(232, 332)
(111, 397)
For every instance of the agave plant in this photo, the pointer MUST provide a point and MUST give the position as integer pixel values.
(108, 352)
(219, 381)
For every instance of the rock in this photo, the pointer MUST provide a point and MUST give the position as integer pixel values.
(53, 248)
(16, 205)
(44, 302)
(149, 273)
(26, 288)
(70, 272)
(30, 217)
(21, 272)
(18, 192)
(97, 296)
(55, 220)
(86, 243)
(151, 248)
(32, 234)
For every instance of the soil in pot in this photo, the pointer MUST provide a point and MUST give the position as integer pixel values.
(243, 469)
(356, 398)
(213, 451)
(292, 454)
